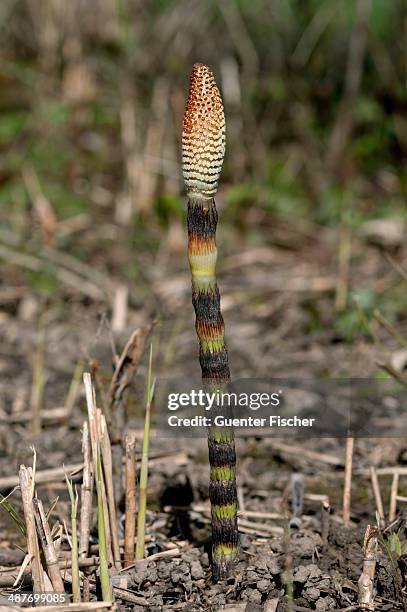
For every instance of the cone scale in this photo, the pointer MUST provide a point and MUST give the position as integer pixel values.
(203, 150)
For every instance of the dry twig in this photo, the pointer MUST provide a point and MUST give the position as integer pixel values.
(26, 486)
(86, 494)
(347, 480)
(130, 476)
(366, 580)
(377, 495)
(48, 547)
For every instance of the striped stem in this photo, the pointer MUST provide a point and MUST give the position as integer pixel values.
(203, 150)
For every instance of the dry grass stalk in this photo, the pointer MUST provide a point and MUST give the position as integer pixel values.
(393, 497)
(120, 309)
(165, 554)
(44, 476)
(106, 523)
(92, 417)
(37, 388)
(107, 593)
(48, 548)
(347, 486)
(124, 373)
(130, 485)
(74, 388)
(131, 156)
(312, 456)
(147, 184)
(42, 206)
(141, 518)
(27, 486)
(108, 479)
(49, 416)
(76, 591)
(377, 495)
(83, 563)
(325, 523)
(366, 580)
(105, 555)
(344, 255)
(25, 574)
(86, 493)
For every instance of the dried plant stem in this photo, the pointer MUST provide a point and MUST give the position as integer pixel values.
(74, 387)
(94, 416)
(48, 547)
(366, 580)
(393, 497)
(108, 479)
(76, 591)
(142, 506)
(325, 523)
(107, 592)
(86, 494)
(125, 370)
(288, 571)
(108, 535)
(347, 487)
(130, 485)
(344, 255)
(37, 388)
(42, 476)
(26, 486)
(377, 495)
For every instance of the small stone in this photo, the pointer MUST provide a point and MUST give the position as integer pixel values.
(152, 575)
(252, 576)
(301, 573)
(263, 585)
(252, 595)
(324, 585)
(312, 593)
(196, 570)
(268, 562)
(140, 573)
(183, 567)
(313, 571)
(204, 560)
(164, 569)
(255, 596)
(325, 603)
(177, 576)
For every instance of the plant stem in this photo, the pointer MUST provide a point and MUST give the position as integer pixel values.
(76, 592)
(107, 592)
(130, 524)
(141, 519)
(203, 143)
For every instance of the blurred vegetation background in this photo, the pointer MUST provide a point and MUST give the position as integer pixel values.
(92, 96)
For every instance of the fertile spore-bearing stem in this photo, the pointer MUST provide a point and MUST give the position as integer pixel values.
(203, 149)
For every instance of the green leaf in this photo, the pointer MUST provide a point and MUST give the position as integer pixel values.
(13, 514)
(394, 545)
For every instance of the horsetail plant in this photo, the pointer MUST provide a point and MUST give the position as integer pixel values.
(203, 149)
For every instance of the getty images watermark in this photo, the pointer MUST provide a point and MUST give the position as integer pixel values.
(228, 400)
(283, 407)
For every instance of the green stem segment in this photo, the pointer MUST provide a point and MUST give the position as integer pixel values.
(213, 357)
